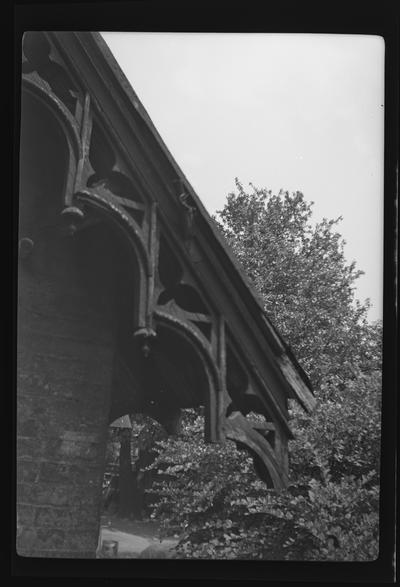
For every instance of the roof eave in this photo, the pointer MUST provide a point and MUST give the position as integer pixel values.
(299, 385)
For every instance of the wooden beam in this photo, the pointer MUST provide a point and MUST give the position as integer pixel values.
(299, 389)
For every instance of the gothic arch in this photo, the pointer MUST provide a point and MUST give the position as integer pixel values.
(38, 91)
(203, 351)
(48, 158)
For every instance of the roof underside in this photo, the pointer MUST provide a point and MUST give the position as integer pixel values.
(297, 383)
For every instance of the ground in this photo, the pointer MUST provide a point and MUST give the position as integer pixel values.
(134, 536)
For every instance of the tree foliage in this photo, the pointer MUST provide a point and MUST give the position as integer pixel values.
(210, 493)
(299, 269)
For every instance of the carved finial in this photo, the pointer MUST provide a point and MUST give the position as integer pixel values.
(72, 217)
(25, 247)
(188, 209)
(145, 336)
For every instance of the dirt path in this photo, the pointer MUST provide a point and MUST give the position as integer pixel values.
(134, 536)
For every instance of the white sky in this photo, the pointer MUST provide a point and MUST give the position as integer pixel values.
(297, 112)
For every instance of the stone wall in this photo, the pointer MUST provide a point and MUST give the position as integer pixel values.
(64, 368)
(65, 353)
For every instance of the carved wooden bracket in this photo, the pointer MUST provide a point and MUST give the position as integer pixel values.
(39, 57)
(238, 429)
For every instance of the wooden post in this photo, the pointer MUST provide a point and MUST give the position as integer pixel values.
(222, 396)
(126, 478)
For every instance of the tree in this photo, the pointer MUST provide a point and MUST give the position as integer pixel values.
(330, 509)
(300, 271)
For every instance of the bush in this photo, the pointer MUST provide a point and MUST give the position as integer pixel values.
(210, 494)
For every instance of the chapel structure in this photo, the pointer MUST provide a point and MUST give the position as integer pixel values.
(129, 300)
